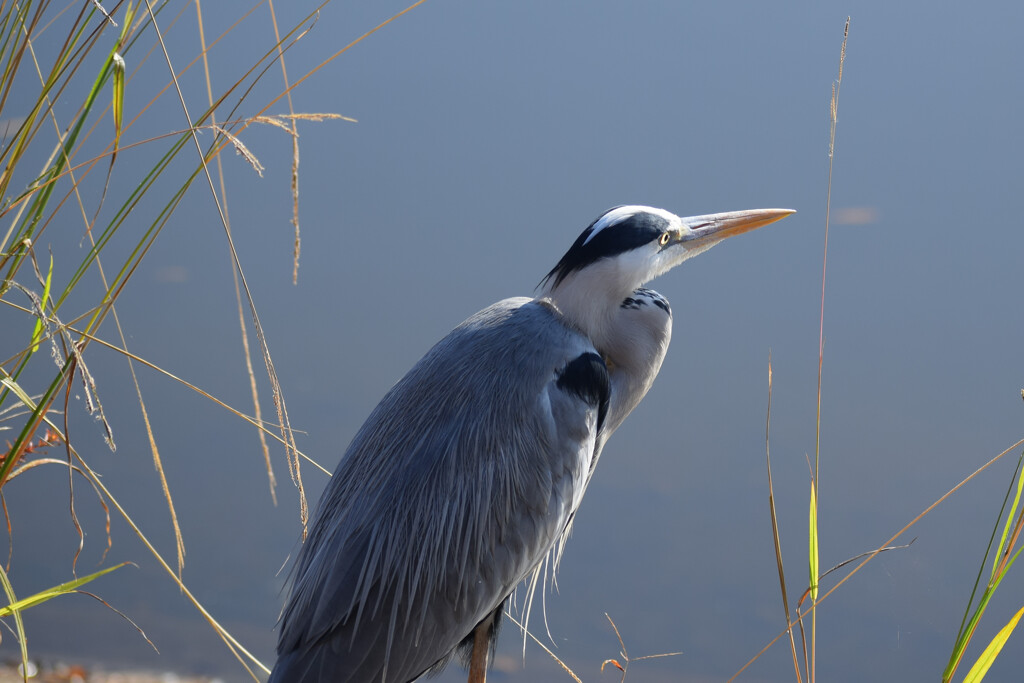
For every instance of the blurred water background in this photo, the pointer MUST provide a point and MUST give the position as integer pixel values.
(488, 136)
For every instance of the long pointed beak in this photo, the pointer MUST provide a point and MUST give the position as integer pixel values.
(715, 227)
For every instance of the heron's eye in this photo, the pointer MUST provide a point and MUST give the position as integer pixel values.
(665, 237)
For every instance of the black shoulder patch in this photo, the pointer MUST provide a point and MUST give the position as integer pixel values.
(586, 376)
(627, 233)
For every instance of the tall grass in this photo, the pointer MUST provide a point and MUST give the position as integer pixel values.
(76, 97)
(1008, 527)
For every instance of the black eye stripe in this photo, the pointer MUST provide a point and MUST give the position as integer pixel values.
(625, 234)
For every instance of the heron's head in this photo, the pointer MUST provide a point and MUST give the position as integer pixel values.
(628, 246)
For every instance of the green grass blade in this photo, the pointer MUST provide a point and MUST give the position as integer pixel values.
(9, 383)
(1007, 527)
(38, 413)
(37, 331)
(51, 593)
(970, 620)
(19, 627)
(981, 667)
(34, 216)
(117, 107)
(812, 554)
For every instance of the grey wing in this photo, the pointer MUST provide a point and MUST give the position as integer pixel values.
(459, 483)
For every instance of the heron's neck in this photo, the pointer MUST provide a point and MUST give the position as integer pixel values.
(630, 329)
(590, 306)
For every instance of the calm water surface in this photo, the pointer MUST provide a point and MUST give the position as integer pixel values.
(488, 137)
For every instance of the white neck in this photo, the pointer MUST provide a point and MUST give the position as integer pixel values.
(589, 299)
(633, 341)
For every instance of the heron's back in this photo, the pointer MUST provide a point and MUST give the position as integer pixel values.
(456, 486)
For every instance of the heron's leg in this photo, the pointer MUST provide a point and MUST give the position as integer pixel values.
(484, 636)
(481, 652)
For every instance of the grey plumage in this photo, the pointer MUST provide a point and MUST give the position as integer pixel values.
(468, 473)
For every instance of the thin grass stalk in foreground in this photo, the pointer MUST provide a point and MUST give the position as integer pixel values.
(775, 525)
(339, 52)
(297, 247)
(293, 459)
(625, 654)
(875, 553)
(118, 97)
(258, 424)
(236, 648)
(33, 210)
(31, 223)
(565, 667)
(813, 559)
(981, 569)
(246, 351)
(19, 626)
(279, 402)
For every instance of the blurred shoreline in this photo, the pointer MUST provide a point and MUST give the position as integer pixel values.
(60, 672)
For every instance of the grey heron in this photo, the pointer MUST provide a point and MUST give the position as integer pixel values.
(464, 480)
